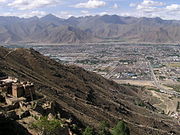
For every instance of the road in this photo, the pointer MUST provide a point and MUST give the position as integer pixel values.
(108, 76)
(157, 84)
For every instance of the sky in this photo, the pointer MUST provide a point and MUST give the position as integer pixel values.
(166, 9)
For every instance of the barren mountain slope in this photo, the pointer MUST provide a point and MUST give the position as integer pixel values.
(88, 96)
(51, 29)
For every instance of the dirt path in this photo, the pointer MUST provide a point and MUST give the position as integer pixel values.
(9, 53)
(158, 96)
(170, 103)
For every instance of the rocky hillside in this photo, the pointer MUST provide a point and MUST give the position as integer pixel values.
(87, 96)
(51, 29)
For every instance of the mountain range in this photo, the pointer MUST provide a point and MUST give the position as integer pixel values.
(89, 29)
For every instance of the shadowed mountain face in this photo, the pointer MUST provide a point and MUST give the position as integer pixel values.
(88, 96)
(51, 29)
(9, 127)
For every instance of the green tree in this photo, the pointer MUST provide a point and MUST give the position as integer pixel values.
(88, 131)
(48, 127)
(104, 128)
(121, 129)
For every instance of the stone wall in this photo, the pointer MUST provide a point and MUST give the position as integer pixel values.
(17, 90)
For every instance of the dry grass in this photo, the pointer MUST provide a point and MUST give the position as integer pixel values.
(135, 82)
(175, 64)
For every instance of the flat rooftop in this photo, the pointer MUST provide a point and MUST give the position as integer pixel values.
(9, 80)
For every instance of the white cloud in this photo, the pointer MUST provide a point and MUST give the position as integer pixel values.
(152, 3)
(25, 14)
(35, 13)
(173, 7)
(151, 8)
(115, 6)
(125, 14)
(31, 4)
(149, 4)
(85, 12)
(3, 0)
(91, 4)
(148, 8)
(132, 4)
(103, 13)
(63, 14)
